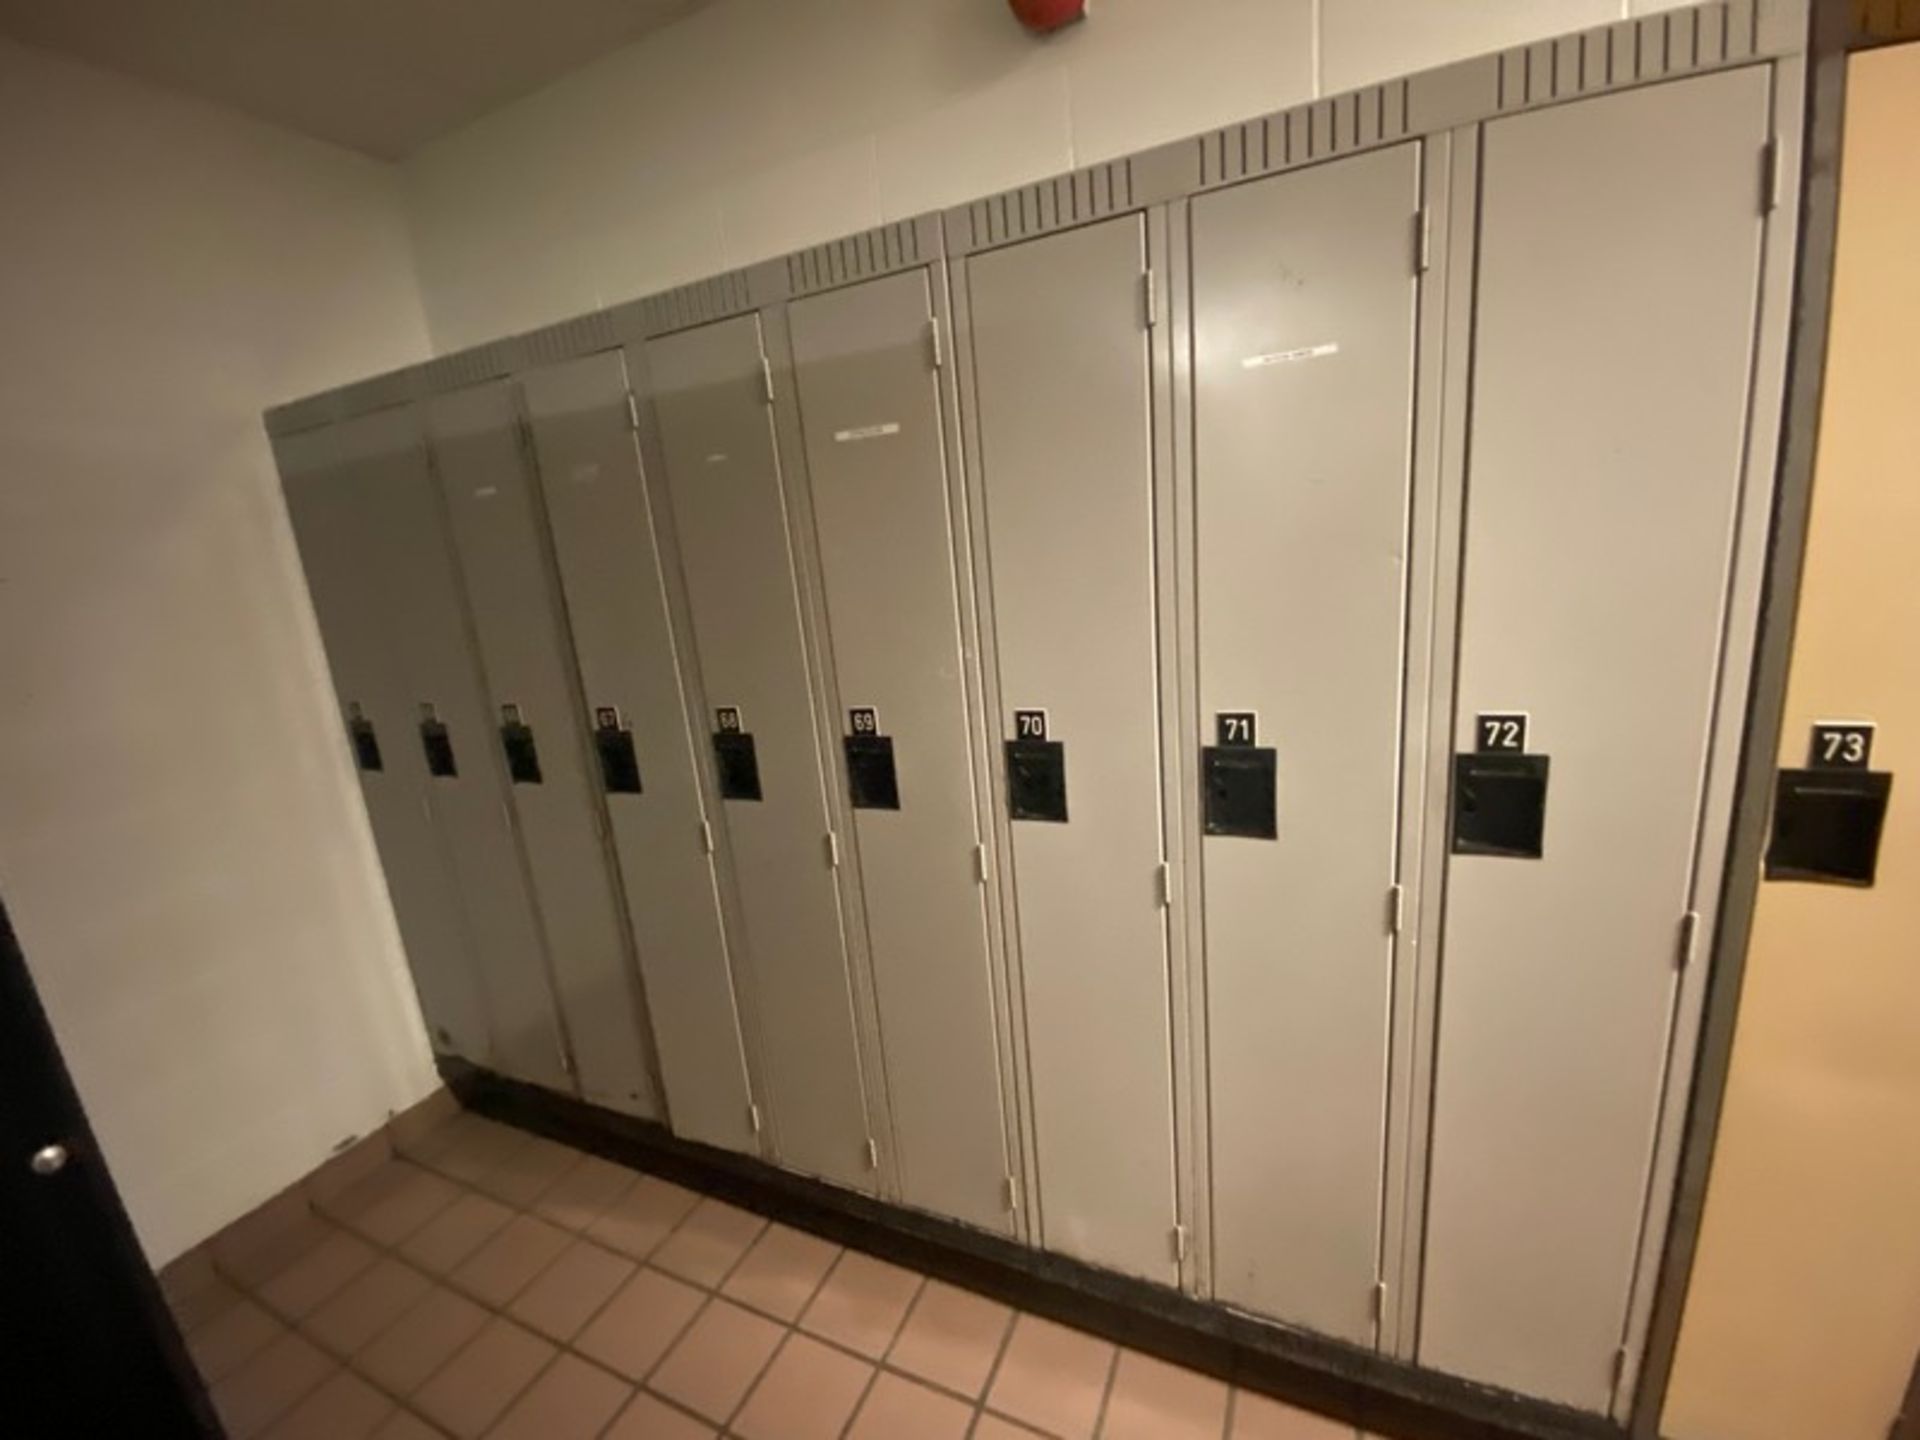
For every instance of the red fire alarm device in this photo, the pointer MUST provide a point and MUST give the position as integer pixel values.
(1043, 17)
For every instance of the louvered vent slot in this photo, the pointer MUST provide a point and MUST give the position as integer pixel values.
(1656, 47)
(1071, 199)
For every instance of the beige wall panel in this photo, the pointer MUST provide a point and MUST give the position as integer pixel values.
(1804, 1312)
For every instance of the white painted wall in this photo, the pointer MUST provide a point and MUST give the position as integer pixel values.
(756, 126)
(181, 840)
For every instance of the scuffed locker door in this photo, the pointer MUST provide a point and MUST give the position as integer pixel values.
(409, 566)
(1060, 346)
(1614, 323)
(1304, 307)
(335, 536)
(710, 401)
(870, 405)
(495, 523)
(609, 561)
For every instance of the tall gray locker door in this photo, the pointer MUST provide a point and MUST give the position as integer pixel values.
(1062, 365)
(407, 564)
(378, 729)
(494, 519)
(730, 517)
(1304, 307)
(597, 506)
(876, 461)
(1614, 321)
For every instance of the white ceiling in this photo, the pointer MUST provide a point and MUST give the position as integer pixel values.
(381, 76)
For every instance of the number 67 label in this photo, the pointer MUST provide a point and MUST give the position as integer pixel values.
(1841, 745)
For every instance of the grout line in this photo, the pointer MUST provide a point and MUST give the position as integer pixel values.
(1106, 1394)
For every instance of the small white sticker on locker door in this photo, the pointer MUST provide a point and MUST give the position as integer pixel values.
(1288, 357)
(867, 432)
(719, 457)
(486, 492)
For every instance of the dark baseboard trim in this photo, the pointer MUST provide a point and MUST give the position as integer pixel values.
(1380, 1395)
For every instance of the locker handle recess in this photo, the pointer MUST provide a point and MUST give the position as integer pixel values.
(523, 755)
(613, 743)
(366, 744)
(437, 745)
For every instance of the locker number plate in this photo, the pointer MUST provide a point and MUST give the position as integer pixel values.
(1234, 728)
(726, 720)
(1841, 745)
(1029, 724)
(863, 720)
(1502, 733)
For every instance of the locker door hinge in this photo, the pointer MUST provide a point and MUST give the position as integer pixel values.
(1180, 1243)
(1164, 880)
(1150, 297)
(706, 836)
(833, 851)
(753, 1118)
(633, 411)
(1422, 240)
(1396, 908)
(873, 1153)
(566, 1057)
(1683, 945)
(766, 378)
(936, 347)
(1379, 1301)
(1013, 1192)
(980, 864)
(426, 809)
(1619, 1366)
(1770, 176)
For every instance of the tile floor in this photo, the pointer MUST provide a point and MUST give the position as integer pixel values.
(460, 1278)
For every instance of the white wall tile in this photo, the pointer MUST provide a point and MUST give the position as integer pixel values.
(185, 853)
(1002, 135)
(1362, 41)
(800, 201)
(1145, 71)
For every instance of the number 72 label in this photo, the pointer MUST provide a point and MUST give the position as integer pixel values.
(1505, 732)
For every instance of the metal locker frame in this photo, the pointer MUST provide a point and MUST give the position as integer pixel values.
(1751, 487)
(566, 803)
(1103, 195)
(1444, 107)
(1379, 1298)
(896, 262)
(645, 327)
(412, 498)
(670, 763)
(365, 675)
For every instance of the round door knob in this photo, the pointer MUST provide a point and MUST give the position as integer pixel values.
(48, 1160)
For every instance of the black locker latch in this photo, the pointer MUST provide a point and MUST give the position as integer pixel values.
(366, 744)
(1036, 770)
(872, 780)
(619, 765)
(735, 757)
(1499, 804)
(1239, 780)
(437, 744)
(1827, 818)
(523, 756)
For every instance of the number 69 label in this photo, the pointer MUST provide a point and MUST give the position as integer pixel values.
(1841, 745)
(1504, 733)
